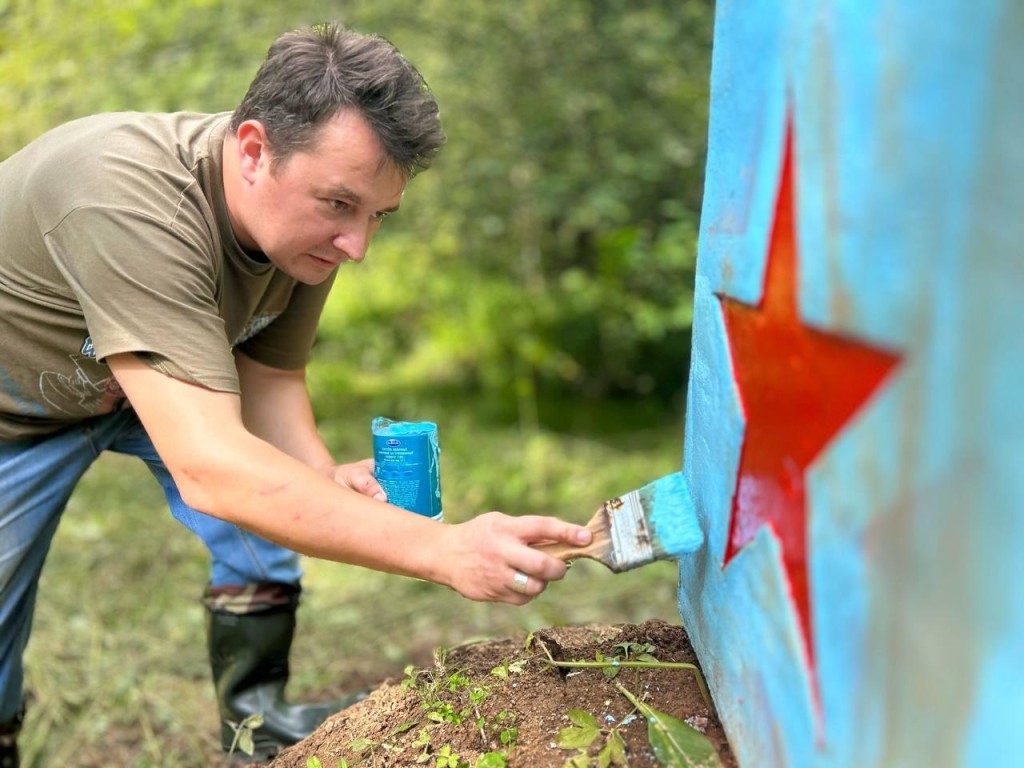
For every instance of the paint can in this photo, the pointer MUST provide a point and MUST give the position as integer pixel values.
(405, 463)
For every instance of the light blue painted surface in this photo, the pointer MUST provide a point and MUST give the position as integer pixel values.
(675, 528)
(908, 120)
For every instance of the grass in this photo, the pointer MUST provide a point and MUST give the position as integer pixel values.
(117, 667)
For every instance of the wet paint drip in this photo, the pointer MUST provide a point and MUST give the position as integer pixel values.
(405, 456)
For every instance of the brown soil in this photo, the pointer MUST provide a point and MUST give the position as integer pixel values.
(387, 728)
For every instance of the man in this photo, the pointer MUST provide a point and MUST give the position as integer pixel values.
(161, 278)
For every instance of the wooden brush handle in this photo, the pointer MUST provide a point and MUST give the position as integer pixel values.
(598, 548)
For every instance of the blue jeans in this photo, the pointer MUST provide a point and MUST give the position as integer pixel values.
(36, 480)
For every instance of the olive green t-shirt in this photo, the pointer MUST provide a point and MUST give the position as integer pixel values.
(115, 237)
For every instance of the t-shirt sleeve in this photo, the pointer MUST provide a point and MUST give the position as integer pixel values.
(287, 342)
(147, 287)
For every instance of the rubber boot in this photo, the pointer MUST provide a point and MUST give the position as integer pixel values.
(9, 741)
(249, 660)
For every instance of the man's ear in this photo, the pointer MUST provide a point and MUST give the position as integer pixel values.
(253, 150)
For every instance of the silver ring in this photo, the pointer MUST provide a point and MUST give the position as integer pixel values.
(519, 582)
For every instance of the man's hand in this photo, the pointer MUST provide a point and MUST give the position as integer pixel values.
(224, 470)
(360, 478)
(485, 554)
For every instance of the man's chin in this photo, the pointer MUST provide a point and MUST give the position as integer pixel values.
(312, 278)
(309, 269)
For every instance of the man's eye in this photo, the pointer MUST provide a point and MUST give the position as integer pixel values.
(381, 215)
(337, 205)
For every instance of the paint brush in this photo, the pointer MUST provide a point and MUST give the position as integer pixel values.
(655, 522)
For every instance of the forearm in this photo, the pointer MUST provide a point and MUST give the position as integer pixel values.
(224, 470)
(276, 407)
(282, 499)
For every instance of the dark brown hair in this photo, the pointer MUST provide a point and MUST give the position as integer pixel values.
(311, 74)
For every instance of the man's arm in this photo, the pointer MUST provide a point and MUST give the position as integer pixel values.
(223, 469)
(276, 408)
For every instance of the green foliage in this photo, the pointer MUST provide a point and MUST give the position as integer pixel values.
(626, 652)
(582, 734)
(633, 656)
(449, 758)
(61, 59)
(509, 668)
(675, 744)
(491, 760)
(369, 748)
(243, 738)
(506, 728)
(314, 762)
(562, 214)
(552, 247)
(451, 698)
(636, 651)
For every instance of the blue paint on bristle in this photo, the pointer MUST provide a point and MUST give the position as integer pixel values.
(672, 517)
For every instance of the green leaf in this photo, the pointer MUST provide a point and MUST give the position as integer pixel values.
(406, 726)
(622, 648)
(252, 722)
(245, 742)
(675, 744)
(422, 738)
(360, 745)
(613, 670)
(582, 718)
(613, 752)
(314, 762)
(575, 737)
(491, 760)
(410, 679)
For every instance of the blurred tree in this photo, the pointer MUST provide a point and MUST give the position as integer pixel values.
(564, 211)
(551, 248)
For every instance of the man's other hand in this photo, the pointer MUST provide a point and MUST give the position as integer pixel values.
(359, 477)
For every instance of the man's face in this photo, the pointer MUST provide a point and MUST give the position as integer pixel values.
(319, 208)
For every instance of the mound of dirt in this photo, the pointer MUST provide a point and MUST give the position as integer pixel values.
(505, 698)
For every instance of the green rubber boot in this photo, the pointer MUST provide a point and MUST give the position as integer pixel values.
(249, 660)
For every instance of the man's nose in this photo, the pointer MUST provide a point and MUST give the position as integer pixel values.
(353, 242)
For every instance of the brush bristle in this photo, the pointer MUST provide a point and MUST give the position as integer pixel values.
(672, 517)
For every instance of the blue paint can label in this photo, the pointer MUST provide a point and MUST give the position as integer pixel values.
(405, 463)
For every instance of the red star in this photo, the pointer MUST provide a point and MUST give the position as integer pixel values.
(798, 387)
